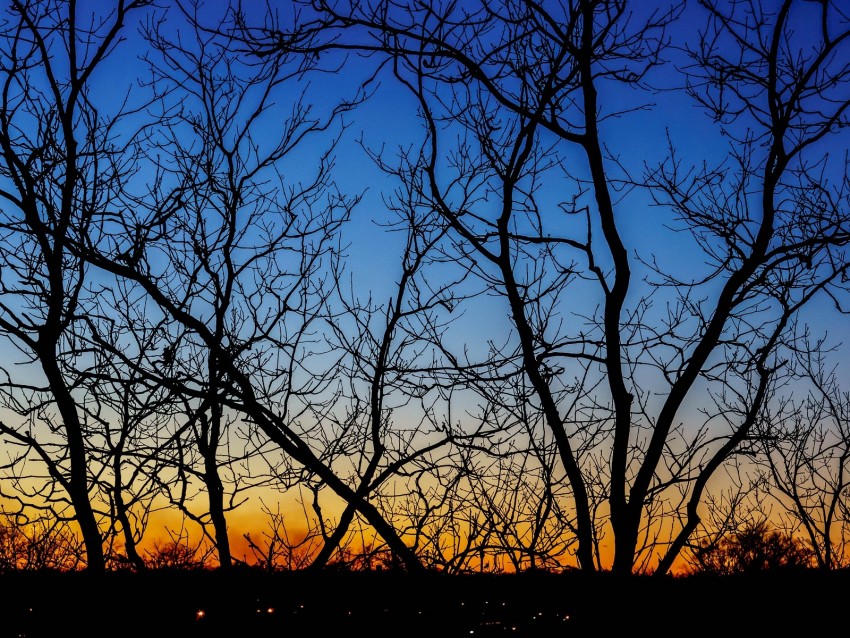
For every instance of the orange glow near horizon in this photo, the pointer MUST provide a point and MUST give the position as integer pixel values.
(167, 530)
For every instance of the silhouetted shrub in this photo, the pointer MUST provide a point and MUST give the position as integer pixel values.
(176, 554)
(755, 548)
(38, 546)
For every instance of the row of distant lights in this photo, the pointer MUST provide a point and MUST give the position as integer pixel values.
(496, 623)
(201, 614)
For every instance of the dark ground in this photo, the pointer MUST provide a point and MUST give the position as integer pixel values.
(247, 604)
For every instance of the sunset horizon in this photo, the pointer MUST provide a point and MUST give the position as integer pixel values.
(390, 292)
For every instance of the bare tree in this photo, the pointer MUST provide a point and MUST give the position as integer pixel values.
(540, 388)
(240, 259)
(790, 246)
(393, 362)
(283, 546)
(518, 93)
(60, 166)
(804, 449)
(215, 231)
(137, 444)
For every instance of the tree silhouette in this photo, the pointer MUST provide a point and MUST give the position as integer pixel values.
(804, 451)
(61, 163)
(239, 259)
(518, 94)
(535, 382)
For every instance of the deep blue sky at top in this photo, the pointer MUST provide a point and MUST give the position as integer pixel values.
(389, 120)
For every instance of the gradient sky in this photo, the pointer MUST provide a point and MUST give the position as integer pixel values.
(388, 119)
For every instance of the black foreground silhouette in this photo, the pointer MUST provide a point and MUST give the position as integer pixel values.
(248, 603)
